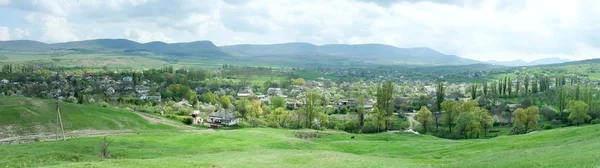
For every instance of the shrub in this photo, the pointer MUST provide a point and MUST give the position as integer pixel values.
(595, 121)
(307, 135)
(104, 153)
(188, 120)
(547, 126)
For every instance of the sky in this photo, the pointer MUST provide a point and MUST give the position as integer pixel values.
(500, 30)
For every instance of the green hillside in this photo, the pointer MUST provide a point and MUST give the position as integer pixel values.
(20, 116)
(566, 147)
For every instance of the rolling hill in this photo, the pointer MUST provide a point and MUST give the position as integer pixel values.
(23, 117)
(261, 147)
(292, 54)
(543, 61)
(367, 53)
(201, 49)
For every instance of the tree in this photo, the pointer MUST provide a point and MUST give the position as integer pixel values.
(449, 109)
(311, 108)
(424, 117)
(279, 116)
(525, 119)
(440, 94)
(484, 119)
(240, 106)
(361, 111)
(277, 102)
(473, 91)
(467, 124)
(526, 83)
(254, 109)
(577, 92)
(225, 102)
(485, 88)
(300, 82)
(209, 97)
(509, 87)
(578, 112)
(588, 97)
(518, 87)
(562, 101)
(385, 99)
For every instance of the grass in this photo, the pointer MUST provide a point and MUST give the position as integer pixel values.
(312, 75)
(262, 147)
(26, 116)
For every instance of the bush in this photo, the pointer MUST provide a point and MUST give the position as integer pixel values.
(307, 135)
(255, 122)
(595, 121)
(547, 126)
(548, 112)
(188, 120)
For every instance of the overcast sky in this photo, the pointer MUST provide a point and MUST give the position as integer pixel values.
(481, 30)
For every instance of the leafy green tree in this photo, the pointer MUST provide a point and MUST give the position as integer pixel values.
(484, 119)
(254, 109)
(562, 101)
(473, 91)
(467, 124)
(209, 97)
(280, 116)
(449, 108)
(578, 112)
(424, 117)
(178, 91)
(385, 99)
(525, 119)
(277, 102)
(225, 102)
(311, 108)
(440, 94)
(361, 111)
(240, 106)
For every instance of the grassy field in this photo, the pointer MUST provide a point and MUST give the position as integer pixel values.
(29, 116)
(262, 147)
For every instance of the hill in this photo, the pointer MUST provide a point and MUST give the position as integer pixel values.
(260, 147)
(36, 118)
(543, 61)
(366, 53)
(201, 49)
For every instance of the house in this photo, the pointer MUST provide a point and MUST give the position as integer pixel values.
(128, 79)
(142, 89)
(513, 107)
(110, 91)
(263, 98)
(245, 92)
(223, 117)
(147, 97)
(184, 103)
(274, 92)
(4, 81)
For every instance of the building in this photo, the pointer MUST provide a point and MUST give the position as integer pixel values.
(223, 117)
(244, 92)
(274, 91)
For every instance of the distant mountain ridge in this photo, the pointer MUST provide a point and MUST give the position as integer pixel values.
(377, 53)
(286, 52)
(197, 48)
(543, 61)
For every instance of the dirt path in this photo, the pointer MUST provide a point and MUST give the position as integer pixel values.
(412, 122)
(89, 133)
(156, 120)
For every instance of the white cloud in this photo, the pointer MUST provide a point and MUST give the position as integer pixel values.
(483, 30)
(145, 36)
(55, 29)
(4, 2)
(4, 35)
(19, 33)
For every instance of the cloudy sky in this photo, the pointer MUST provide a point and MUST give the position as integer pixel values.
(482, 30)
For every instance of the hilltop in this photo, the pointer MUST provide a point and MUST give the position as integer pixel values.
(284, 54)
(260, 147)
(36, 118)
